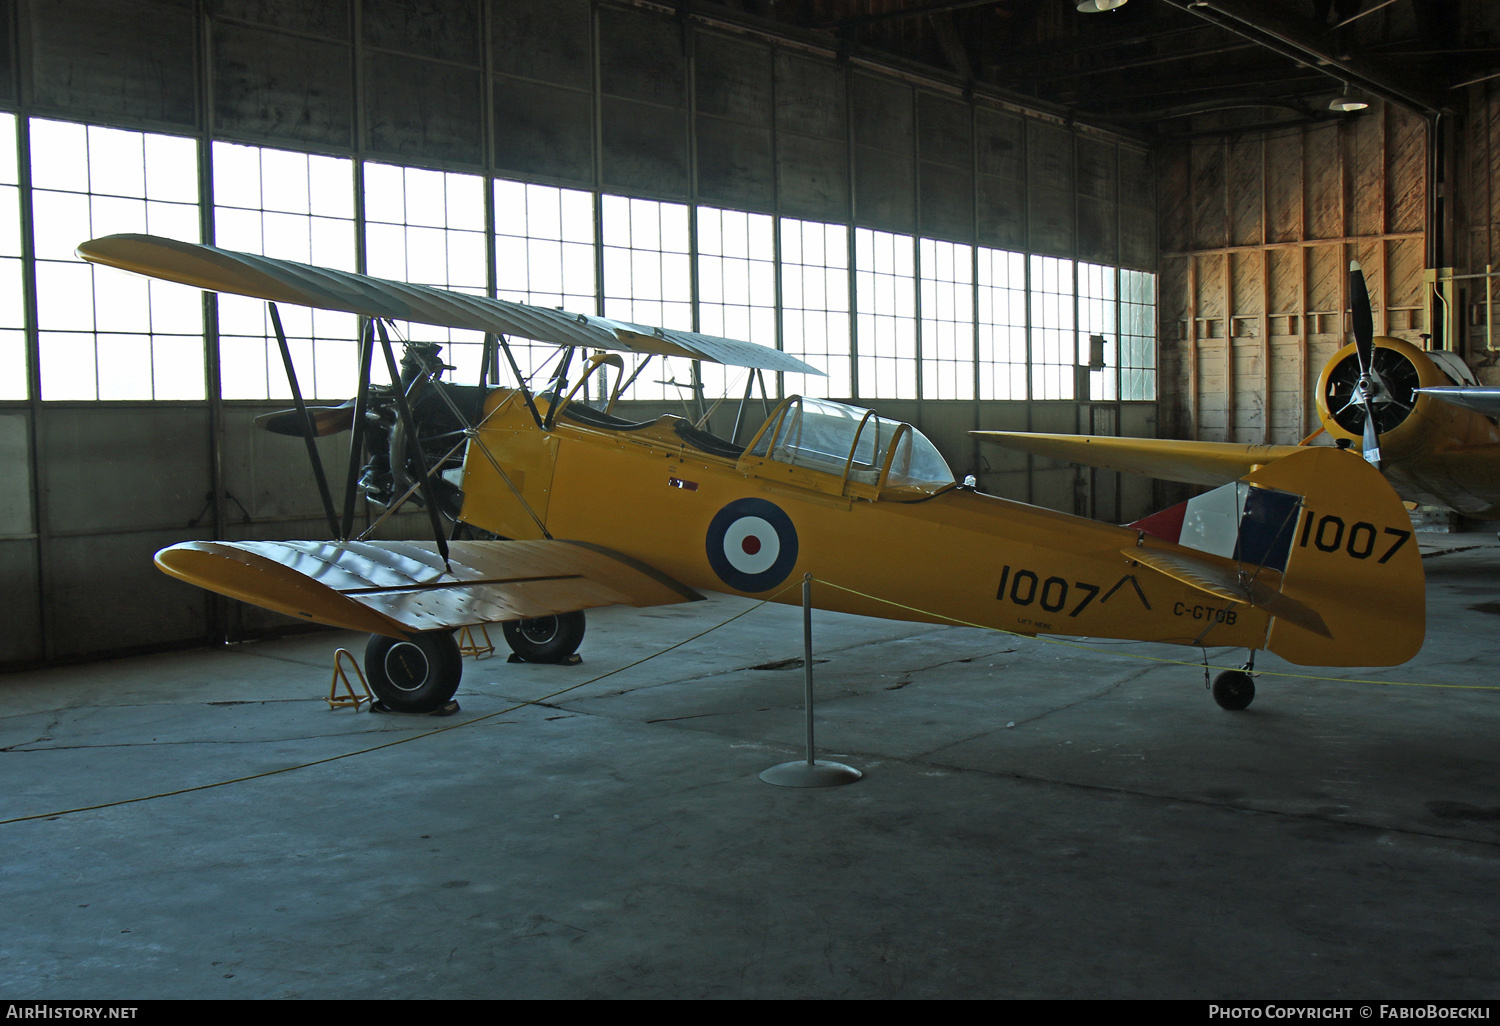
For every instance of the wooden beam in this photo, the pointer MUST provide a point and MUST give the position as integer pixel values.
(1228, 265)
(1303, 243)
(1192, 341)
(1268, 402)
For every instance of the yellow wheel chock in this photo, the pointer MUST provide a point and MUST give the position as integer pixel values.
(467, 645)
(336, 700)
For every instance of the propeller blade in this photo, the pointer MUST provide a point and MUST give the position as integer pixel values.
(326, 420)
(1371, 450)
(1364, 347)
(1363, 318)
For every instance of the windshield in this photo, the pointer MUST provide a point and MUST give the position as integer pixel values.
(821, 435)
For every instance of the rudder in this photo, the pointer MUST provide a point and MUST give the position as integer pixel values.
(1353, 558)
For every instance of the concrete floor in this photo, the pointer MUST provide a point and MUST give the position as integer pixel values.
(1034, 821)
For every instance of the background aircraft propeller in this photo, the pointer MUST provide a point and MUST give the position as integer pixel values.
(326, 420)
(1364, 347)
(1372, 391)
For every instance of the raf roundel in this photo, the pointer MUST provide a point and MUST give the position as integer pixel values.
(752, 545)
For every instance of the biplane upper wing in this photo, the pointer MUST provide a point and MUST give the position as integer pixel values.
(400, 588)
(1201, 463)
(286, 281)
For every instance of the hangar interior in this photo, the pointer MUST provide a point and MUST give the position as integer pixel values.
(936, 203)
(937, 207)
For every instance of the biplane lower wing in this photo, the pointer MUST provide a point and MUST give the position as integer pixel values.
(402, 588)
(1201, 463)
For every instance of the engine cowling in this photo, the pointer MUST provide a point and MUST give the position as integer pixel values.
(1409, 425)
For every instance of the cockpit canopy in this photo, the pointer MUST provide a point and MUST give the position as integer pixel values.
(835, 438)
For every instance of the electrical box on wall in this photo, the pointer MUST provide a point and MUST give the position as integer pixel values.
(1096, 352)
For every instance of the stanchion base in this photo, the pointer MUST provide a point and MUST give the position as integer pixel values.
(804, 774)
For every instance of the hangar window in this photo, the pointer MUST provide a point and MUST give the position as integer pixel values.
(105, 333)
(1054, 354)
(297, 206)
(13, 383)
(648, 281)
(1098, 314)
(1002, 324)
(947, 319)
(736, 290)
(885, 294)
(1137, 335)
(428, 228)
(544, 255)
(815, 306)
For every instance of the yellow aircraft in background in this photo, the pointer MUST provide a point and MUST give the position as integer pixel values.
(1418, 415)
(559, 505)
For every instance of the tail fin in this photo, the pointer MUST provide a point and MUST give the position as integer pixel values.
(1322, 544)
(1353, 558)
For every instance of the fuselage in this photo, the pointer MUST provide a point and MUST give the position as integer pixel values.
(755, 524)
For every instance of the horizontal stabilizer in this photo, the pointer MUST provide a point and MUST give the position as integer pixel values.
(1201, 463)
(1225, 584)
(399, 588)
(286, 281)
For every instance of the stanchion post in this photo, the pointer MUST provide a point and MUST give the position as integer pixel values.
(809, 772)
(807, 688)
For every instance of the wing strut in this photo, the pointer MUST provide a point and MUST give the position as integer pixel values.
(734, 435)
(357, 442)
(308, 434)
(559, 387)
(520, 380)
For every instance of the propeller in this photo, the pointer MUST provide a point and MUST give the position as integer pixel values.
(326, 420)
(1369, 386)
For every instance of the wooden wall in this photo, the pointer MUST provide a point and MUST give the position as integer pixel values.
(1257, 231)
(1477, 212)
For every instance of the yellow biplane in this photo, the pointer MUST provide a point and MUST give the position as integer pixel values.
(1418, 415)
(559, 505)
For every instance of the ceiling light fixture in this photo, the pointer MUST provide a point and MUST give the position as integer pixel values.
(1347, 101)
(1099, 6)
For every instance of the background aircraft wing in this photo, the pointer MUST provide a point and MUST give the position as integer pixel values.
(286, 281)
(1483, 399)
(1202, 463)
(398, 588)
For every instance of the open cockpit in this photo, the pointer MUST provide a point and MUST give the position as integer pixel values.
(820, 443)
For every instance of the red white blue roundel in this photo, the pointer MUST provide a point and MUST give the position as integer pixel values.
(752, 545)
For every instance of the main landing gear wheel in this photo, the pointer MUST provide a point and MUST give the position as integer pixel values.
(1234, 689)
(414, 675)
(545, 639)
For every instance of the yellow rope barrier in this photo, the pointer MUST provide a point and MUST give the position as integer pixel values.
(838, 587)
(404, 740)
(1137, 655)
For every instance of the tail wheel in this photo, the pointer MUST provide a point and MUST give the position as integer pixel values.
(545, 639)
(1234, 690)
(416, 674)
